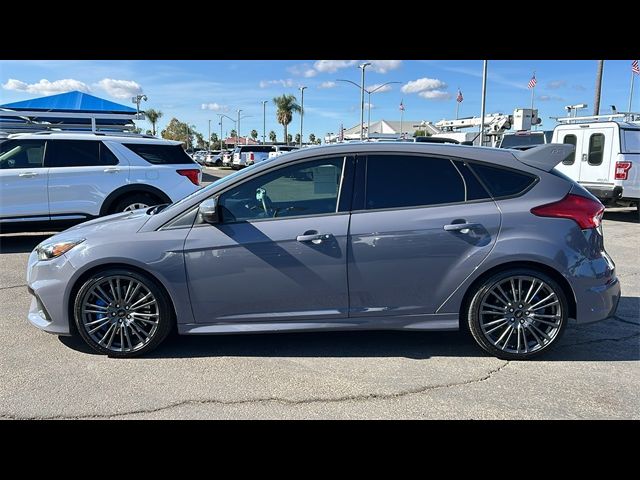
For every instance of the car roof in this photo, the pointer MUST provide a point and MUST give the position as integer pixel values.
(92, 136)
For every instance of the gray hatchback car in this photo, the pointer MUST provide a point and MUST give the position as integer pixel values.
(402, 236)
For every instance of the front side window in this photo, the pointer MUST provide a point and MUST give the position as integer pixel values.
(596, 149)
(309, 188)
(570, 140)
(395, 181)
(21, 154)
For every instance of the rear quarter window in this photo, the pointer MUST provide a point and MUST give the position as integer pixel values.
(160, 154)
(502, 182)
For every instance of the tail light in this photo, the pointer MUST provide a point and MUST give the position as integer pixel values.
(251, 157)
(622, 170)
(192, 174)
(586, 212)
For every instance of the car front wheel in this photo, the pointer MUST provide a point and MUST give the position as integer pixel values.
(517, 314)
(122, 313)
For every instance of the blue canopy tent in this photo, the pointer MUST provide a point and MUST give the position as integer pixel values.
(67, 111)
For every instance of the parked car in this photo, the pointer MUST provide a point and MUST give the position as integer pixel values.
(280, 149)
(227, 158)
(606, 159)
(213, 159)
(496, 241)
(246, 155)
(72, 177)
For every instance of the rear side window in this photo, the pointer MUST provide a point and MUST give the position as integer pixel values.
(571, 140)
(160, 154)
(260, 149)
(473, 189)
(596, 148)
(21, 154)
(502, 182)
(77, 153)
(394, 181)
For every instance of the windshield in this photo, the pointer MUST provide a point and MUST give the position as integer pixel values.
(631, 143)
(509, 141)
(211, 186)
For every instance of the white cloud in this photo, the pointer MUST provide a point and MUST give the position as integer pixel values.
(216, 107)
(550, 98)
(285, 83)
(435, 95)
(45, 87)
(302, 70)
(383, 66)
(555, 84)
(370, 106)
(377, 86)
(120, 88)
(331, 66)
(327, 84)
(423, 84)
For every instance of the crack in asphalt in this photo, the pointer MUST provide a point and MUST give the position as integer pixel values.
(626, 321)
(13, 286)
(286, 401)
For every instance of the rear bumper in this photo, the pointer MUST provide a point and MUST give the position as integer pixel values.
(605, 192)
(598, 302)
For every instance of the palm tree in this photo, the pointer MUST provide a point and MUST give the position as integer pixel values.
(153, 116)
(312, 138)
(297, 138)
(286, 106)
(254, 134)
(272, 136)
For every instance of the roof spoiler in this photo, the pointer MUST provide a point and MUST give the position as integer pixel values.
(545, 157)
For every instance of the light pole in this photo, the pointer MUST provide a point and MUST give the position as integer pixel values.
(362, 66)
(238, 126)
(234, 123)
(264, 121)
(209, 140)
(301, 112)
(483, 103)
(137, 100)
(369, 96)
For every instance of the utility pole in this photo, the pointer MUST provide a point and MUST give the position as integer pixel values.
(596, 101)
(209, 139)
(484, 97)
(264, 121)
(302, 89)
(238, 128)
(362, 67)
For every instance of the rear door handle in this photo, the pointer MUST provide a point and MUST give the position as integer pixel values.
(111, 170)
(462, 227)
(27, 174)
(315, 238)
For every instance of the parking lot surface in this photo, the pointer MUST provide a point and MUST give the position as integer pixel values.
(593, 373)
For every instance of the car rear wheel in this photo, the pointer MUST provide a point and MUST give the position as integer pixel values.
(122, 313)
(518, 314)
(134, 202)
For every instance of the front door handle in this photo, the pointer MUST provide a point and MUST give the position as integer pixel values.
(462, 227)
(584, 157)
(111, 170)
(27, 174)
(314, 237)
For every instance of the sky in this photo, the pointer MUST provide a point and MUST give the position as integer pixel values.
(195, 91)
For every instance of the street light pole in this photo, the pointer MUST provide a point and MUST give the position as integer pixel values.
(362, 67)
(264, 121)
(301, 113)
(209, 139)
(484, 96)
(238, 128)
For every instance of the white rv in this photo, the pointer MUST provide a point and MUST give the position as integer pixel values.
(607, 156)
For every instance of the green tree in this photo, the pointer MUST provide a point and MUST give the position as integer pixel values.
(148, 132)
(153, 116)
(200, 143)
(318, 141)
(312, 138)
(234, 134)
(286, 106)
(272, 136)
(254, 134)
(289, 137)
(137, 130)
(297, 138)
(215, 141)
(421, 133)
(180, 131)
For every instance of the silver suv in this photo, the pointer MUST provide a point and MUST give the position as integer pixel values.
(72, 177)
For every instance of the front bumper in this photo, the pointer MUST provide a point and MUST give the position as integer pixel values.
(47, 283)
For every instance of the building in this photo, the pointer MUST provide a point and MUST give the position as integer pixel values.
(385, 129)
(241, 141)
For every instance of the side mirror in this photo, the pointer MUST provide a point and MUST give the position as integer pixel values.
(208, 211)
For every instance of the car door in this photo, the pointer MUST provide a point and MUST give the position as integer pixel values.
(419, 227)
(82, 174)
(23, 181)
(279, 253)
(596, 155)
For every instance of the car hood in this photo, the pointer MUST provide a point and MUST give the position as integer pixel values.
(123, 223)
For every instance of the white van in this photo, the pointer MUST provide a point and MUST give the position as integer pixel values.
(607, 156)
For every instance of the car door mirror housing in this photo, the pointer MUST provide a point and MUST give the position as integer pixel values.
(208, 211)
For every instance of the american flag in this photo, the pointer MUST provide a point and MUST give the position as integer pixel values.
(533, 81)
(401, 106)
(459, 98)
(635, 68)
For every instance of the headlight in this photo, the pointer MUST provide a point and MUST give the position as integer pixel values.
(47, 251)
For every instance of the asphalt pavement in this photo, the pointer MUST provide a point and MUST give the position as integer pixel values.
(594, 373)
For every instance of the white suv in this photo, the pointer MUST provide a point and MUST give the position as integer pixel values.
(72, 177)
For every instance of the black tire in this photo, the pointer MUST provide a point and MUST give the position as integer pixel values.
(473, 319)
(165, 313)
(135, 198)
(218, 163)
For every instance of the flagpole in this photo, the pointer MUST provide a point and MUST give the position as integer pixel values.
(457, 107)
(533, 90)
(401, 118)
(631, 91)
